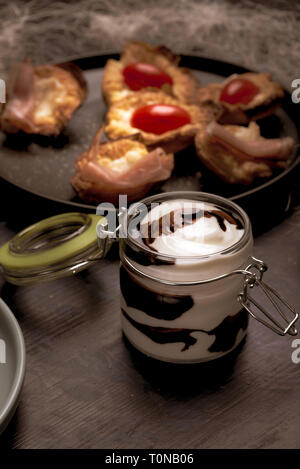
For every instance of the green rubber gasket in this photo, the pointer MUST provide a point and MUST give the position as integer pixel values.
(68, 249)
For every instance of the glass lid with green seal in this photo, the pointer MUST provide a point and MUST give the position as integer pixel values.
(52, 248)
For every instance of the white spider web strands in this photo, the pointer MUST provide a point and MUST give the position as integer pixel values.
(259, 35)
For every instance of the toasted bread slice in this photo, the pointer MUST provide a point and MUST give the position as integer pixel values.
(239, 154)
(120, 114)
(114, 88)
(263, 104)
(42, 99)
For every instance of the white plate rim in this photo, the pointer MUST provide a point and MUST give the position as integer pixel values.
(7, 411)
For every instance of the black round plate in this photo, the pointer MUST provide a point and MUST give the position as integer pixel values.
(44, 166)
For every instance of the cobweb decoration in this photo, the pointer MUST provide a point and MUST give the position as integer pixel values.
(259, 35)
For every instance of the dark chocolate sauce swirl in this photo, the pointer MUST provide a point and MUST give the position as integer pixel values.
(135, 254)
(176, 219)
(225, 333)
(163, 335)
(156, 305)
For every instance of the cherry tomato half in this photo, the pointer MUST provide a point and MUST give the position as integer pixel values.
(239, 90)
(140, 75)
(159, 118)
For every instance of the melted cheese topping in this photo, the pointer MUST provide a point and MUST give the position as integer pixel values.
(247, 134)
(126, 161)
(118, 95)
(50, 93)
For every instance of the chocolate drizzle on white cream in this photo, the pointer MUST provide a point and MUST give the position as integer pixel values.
(189, 228)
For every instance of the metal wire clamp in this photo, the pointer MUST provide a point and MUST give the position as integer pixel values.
(253, 277)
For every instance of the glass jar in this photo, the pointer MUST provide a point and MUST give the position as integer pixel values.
(186, 309)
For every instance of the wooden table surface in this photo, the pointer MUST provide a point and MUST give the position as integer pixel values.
(85, 388)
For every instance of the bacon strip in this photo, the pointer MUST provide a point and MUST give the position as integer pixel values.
(275, 148)
(21, 94)
(27, 92)
(153, 167)
(95, 181)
